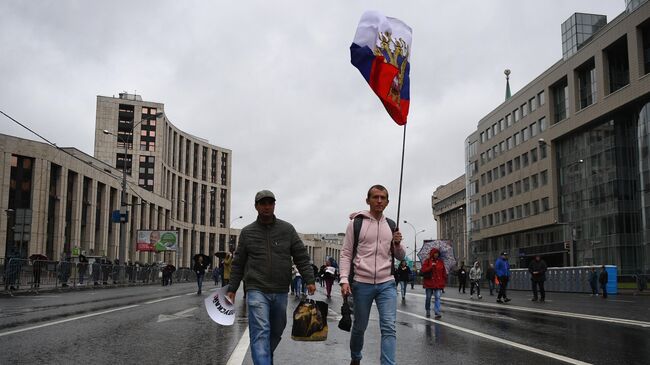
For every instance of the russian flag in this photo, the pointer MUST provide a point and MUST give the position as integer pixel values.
(380, 51)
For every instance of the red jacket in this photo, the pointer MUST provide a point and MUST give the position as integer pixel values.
(436, 267)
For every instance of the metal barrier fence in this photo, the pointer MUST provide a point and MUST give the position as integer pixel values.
(33, 275)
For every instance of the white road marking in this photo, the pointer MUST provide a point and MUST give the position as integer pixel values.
(550, 312)
(66, 320)
(181, 314)
(238, 355)
(161, 300)
(479, 314)
(499, 340)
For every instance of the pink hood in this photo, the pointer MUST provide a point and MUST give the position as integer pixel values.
(372, 263)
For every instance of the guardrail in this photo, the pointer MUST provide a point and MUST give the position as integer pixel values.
(35, 275)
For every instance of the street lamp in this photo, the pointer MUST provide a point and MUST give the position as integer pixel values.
(415, 241)
(230, 248)
(123, 204)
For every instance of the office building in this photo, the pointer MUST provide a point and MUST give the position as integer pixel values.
(562, 169)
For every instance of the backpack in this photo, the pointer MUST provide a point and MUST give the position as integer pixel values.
(358, 221)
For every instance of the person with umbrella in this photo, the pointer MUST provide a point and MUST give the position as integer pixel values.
(37, 266)
(434, 280)
(82, 268)
(200, 265)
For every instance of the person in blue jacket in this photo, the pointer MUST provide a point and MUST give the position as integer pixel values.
(502, 268)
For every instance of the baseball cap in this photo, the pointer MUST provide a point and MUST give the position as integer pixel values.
(262, 194)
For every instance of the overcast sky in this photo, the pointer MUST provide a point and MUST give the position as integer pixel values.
(272, 81)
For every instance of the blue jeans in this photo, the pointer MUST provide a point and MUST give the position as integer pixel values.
(385, 297)
(403, 285)
(436, 305)
(267, 318)
(297, 285)
(199, 280)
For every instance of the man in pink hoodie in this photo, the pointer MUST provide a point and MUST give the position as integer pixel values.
(373, 280)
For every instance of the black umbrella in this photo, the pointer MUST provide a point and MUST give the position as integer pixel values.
(346, 320)
(221, 254)
(38, 257)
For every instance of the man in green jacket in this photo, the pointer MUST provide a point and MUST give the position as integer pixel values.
(263, 259)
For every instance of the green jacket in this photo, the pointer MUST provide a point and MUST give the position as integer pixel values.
(263, 257)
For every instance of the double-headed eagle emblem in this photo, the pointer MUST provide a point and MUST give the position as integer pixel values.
(396, 53)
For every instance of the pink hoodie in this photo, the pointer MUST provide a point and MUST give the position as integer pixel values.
(373, 260)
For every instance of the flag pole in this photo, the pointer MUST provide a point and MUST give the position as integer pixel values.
(401, 175)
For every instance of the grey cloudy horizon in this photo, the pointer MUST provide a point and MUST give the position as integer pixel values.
(272, 81)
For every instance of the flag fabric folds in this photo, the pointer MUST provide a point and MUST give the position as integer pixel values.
(380, 51)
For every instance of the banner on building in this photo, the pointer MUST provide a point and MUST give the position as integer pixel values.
(157, 241)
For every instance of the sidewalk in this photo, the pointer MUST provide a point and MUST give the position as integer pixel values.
(616, 306)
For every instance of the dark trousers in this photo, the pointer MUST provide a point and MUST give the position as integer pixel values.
(539, 284)
(461, 285)
(503, 283)
(603, 288)
(491, 286)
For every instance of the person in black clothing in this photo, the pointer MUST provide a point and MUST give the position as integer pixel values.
(199, 268)
(537, 270)
(490, 275)
(462, 278)
(403, 273)
(602, 279)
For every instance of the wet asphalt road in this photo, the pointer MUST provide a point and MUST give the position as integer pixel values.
(169, 325)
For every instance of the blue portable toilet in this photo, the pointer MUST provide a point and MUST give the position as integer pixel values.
(612, 281)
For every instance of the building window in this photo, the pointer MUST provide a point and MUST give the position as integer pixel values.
(526, 134)
(509, 120)
(618, 65)
(560, 92)
(524, 110)
(509, 144)
(542, 151)
(511, 190)
(525, 184)
(533, 129)
(146, 172)
(543, 125)
(502, 124)
(517, 114)
(543, 176)
(224, 168)
(535, 205)
(534, 181)
(123, 163)
(545, 204)
(509, 166)
(517, 163)
(524, 159)
(533, 155)
(532, 104)
(482, 137)
(645, 35)
(586, 84)
(517, 139)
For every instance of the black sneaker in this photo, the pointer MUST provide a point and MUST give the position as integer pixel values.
(428, 314)
(437, 316)
(534, 299)
(541, 300)
(507, 300)
(499, 301)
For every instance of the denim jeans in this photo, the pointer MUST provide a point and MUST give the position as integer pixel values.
(267, 318)
(297, 285)
(403, 285)
(436, 296)
(385, 296)
(491, 285)
(199, 280)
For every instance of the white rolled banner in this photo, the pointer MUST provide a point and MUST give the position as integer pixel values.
(219, 307)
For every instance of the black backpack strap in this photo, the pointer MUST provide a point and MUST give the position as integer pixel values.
(358, 221)
(393, 228)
